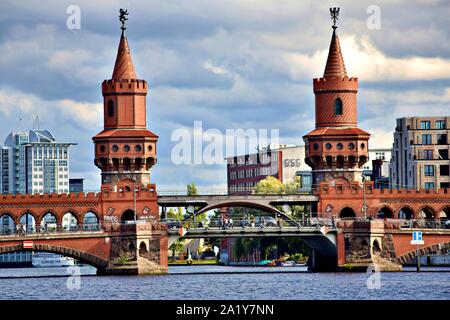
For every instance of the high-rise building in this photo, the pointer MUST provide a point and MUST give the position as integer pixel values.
(34, 162)
(420, 153)
(336, 149)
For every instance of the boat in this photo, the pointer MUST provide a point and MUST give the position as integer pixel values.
(46, 260)
(292, 264)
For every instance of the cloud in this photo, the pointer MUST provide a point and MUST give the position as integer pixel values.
(231, 64)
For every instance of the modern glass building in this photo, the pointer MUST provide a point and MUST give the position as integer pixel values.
(34, 162)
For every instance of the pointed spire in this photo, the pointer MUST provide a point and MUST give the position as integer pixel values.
(124, 68)
(335, 63)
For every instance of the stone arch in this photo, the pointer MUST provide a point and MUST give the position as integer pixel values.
(7, 223)
(376, 248)
(406, 212)
(386, 212)
(28, 218)
(444, 213)
(70, 221)
(85, 257)
(45, 212)
(411, 255)
(143, 249)
(49, 221)
(127, 215)
(90, 221)
(347, 213)
(426, 212)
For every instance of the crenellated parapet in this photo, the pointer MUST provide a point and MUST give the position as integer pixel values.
(124, 86)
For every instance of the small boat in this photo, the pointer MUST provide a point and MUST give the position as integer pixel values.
(292, 264)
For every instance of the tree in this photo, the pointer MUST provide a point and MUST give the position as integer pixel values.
(192, 190)
(269, 185)
(178, 245)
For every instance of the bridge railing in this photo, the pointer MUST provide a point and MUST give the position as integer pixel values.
(256, 223)
(424, 224)
(102, 226)
(225, 191)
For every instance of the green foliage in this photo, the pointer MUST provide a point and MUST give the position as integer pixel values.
(123, 260)
(269, 185)
(192, 190)
(178, 245)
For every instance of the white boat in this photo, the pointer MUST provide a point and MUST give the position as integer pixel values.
(293, 264)
(45, 260)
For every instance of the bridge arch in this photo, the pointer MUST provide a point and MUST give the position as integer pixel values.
(406, 212)
(411, 255)
(85, 257)
(245, 204)
(47, 213)
(49, 218)
(7, 223)
(444, 212)
(91, 221)
(28, 218)
(347, 212)
(386, 212)
(70, 220)
(127, 215)
(426, 212)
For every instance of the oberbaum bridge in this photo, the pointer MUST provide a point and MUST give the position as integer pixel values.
(119, 229)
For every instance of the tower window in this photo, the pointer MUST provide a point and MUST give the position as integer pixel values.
(338, 107)
(110, 108)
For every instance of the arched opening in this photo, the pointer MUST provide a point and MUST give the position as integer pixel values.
(110, 108)
(7, 224)
(340, 162)
(49, 222)
(385, 212)
(29, 222)
(406, 213)
(70, 222)
(444, 214)
(128, 216)
(90, 221)
(426, 213)
(347, 213)
(376, 249)
(338, 107)
(143, 249)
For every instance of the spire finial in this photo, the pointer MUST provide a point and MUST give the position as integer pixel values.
(123, 18)
(334, 12)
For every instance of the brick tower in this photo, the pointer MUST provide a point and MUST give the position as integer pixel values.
(336, 149)
(125, 150)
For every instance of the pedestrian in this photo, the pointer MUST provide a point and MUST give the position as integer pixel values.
(18, 229)
(231, 223)
(279, 222)
(24, 230)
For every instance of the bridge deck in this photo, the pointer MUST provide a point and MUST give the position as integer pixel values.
(183, 199)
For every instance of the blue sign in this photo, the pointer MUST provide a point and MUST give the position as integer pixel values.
(417, 236)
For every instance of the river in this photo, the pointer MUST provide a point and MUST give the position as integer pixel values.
(221, 282)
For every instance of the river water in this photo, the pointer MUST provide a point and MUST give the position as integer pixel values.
(221, 282)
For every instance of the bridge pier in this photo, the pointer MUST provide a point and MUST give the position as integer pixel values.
(139, 249)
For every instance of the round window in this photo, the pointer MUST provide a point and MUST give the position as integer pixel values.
(351, 146)
(315, 146)
(102, 148)
(138, 148)
(115, 148)
(150, 148)
(339, 146)
(126, 148)
(328, 146)
(363, 145)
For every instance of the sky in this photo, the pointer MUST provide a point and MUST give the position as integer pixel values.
(232, 64)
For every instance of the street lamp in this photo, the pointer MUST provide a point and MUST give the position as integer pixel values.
(134, 199)
(364, 207)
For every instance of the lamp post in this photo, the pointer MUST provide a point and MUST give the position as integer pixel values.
(364, 208)
(134, 199)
